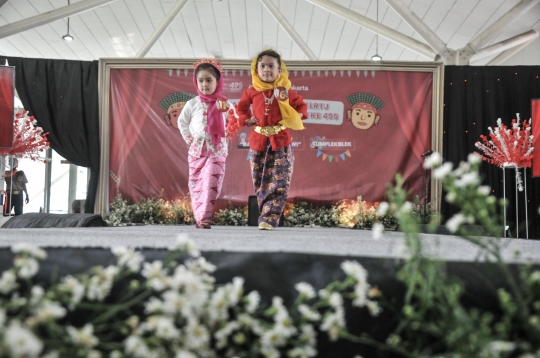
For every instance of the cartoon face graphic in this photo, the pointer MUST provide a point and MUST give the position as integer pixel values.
(172, 117)
(363, 118)
(364, 113)
(173, 104)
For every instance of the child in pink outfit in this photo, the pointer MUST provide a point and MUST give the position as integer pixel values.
(202, 125)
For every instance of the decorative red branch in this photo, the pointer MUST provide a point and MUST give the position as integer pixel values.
(29, 140)
(508, 147)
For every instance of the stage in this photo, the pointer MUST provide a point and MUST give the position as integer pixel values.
(247, 239)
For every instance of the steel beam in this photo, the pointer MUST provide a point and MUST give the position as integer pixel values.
(161, 28)
(367, 23)
(494, 29)
(504, 45)
(3, 2)
(288, 28)
(418, 25)
(508, 53)
(45, 18)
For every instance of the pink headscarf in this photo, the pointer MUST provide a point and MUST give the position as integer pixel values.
(215, 125)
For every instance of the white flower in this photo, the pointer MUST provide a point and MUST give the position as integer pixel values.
(484, 190)
(434, 160)
(49, 311)
(36, 294)
(474, 158)
(184, 354)
(29, 249)
(52, 354)
(155, 274)
(84, 336)
(75, 287)
(101, 283)
(153, 305)
(302, 352)
(377, 230)
(21, 341)
(200, 265)
(497, 347)
(309, 314)
(165, 328)
(135, 345)
(467, 179)
(355, 270)
(236, 290)
(26, 267)
(94, 354)
(455, 222)
(270, 352)
(305, 289)
(197, 336)
(373, 308)
(253, 299)
(272, 338)
(333, 323)
(308, 334)
(442, 171)
(173, 303)
(219, 304)
(535, 276)
(336, 300)
(186, 244)
(128, 257)
(193, 286)
(8, 282)
(382, 209)
(451, 196)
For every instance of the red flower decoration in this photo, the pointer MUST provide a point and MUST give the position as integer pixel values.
(29, 140)
(508, 147)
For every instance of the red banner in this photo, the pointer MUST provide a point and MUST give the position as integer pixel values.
(340, 154)
(7, 95)
(535, 124)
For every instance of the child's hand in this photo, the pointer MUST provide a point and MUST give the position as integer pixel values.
(251, 122)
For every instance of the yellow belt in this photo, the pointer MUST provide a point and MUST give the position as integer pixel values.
(269, 130)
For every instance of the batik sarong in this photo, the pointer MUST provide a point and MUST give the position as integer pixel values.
(271, 172)
(205, 180)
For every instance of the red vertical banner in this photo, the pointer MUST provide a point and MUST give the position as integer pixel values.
(7, 95)
(535, 120)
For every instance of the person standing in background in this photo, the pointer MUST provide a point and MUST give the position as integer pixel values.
(15, 187)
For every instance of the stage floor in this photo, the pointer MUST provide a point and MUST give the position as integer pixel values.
(327, 241)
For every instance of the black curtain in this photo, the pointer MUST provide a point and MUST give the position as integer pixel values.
(63, 97)
(474, 98)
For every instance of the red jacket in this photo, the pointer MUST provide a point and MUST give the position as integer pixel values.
(255, 98)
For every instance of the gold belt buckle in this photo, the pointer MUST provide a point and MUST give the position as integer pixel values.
(16, 192)
(269, 130)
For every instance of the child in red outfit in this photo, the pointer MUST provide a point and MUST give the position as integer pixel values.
(275, 109)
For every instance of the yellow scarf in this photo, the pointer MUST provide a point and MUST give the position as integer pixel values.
(290, 117)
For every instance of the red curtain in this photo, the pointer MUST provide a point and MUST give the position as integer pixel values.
(535, 120)
(7, 83)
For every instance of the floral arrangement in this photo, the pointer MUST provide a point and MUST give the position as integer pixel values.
(304, 214)
(154, 210)
(232, 216)
(166, 309)
(29, 141)
(173, 308)
(508, 147)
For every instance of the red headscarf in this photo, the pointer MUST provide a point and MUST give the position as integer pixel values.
(215, 125)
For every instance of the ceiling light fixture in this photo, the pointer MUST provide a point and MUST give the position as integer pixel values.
(68, 37)
(377, 57)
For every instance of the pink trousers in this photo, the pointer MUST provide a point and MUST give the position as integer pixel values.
(205, 181)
